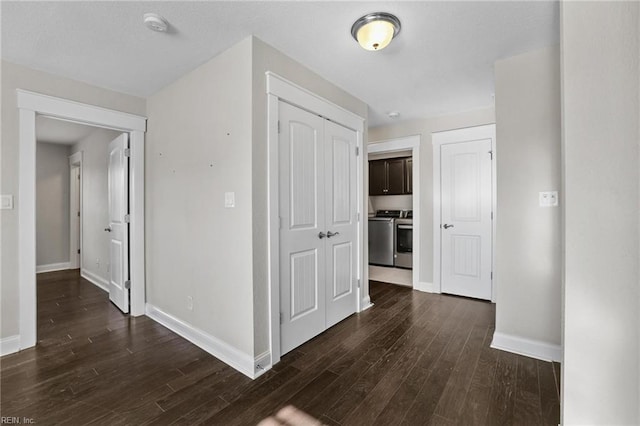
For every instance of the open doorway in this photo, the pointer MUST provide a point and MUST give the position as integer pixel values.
(394, 205)
(32, 105)
(72, 198)
(73, 256)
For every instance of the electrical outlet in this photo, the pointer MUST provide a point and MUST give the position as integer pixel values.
(548, 199)
(190, 303)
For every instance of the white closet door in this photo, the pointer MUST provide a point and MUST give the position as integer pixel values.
(341, 221)
(466, 218)
(302, 211)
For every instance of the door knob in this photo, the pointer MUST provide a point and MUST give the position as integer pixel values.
(332, 234)
(108, 229)
(447, 226)
(321, 235)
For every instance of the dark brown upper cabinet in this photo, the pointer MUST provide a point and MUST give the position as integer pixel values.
(408, 166)
(389, 176)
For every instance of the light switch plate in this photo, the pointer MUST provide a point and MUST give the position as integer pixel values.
(229, 199)
(7, 202)
(549, 199)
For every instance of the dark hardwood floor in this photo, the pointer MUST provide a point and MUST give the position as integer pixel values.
(412, 359)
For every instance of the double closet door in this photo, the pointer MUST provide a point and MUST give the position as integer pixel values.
(318, 224)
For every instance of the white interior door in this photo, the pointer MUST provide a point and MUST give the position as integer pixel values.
(466, 229)
(118, 229)
(318, 225)
(302, 211)
(341, 221)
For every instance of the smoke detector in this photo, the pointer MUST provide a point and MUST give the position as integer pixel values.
(155, 22)
(394, 114)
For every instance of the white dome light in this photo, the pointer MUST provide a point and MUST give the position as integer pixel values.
(375, 30)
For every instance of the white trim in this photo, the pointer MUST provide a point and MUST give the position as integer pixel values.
(279, 88)
(136, 226)
(274, 228)
(27, 228)
(51, 267)
(426, 287)
(94, 279)
(31, 104)
(527, 347)
(226, 353)
(75, 258)
(68, 110)
(403, 144)
(455, 136)
(366, 303)
(309, 101)
(9, 345)
(261, 364)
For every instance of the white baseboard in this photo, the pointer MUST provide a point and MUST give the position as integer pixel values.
(95, 279)
(262, 364)
(532, 348)
(239, 360)
(426, 287)
(9, 345)
(365, 303)
(62, 266)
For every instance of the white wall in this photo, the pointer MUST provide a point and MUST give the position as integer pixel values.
(52, 204)
(14, 77)
(528, 246)
(198, 148)
(424, 128)
(95, 203)
(601, 126)
(266, 58)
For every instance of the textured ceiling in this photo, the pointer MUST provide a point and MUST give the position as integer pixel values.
(442, 61)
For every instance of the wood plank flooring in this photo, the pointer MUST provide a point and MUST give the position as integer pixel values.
(412, 359)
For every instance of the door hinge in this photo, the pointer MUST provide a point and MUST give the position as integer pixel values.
(491, 215)
(127, 284)
(127, 152)
(358, 282)
(127, 218)
(358, 217)
(78, 214)
(278, 126)
(491, 154)
(281, 317)
(491, 275)
(78, 251)
(357, 151)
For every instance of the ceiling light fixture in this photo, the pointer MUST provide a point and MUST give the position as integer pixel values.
(375, 30)
(155, 22)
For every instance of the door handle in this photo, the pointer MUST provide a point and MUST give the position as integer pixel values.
(321, 235)
(108, 229)
(446, 226)
(332, 234)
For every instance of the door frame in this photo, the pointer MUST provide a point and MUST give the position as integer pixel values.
(30, 105)
(75, 244)
(279, 88)
(457, 136)
(407, 143)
